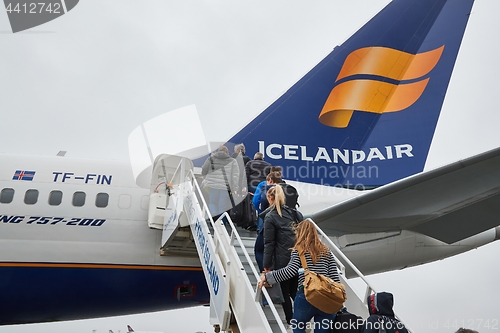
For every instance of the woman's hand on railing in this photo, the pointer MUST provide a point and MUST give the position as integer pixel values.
(263, 281)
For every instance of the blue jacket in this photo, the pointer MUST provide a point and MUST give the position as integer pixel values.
(257, 196)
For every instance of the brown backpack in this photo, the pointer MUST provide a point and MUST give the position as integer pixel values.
(322, 292)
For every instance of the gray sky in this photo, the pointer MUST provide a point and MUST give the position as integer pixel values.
(82, 82)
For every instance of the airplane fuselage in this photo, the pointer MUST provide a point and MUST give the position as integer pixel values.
(73, 259)
(75, 243)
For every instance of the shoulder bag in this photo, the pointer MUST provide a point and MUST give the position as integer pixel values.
(322, 292)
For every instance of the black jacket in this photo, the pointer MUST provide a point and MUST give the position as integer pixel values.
(279, 237)
(242, 160)
(245, 158)
(381, 313)
(257, 171)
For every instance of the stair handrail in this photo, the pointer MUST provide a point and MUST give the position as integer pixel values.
(258, 291)
(219, 252)
(369, 287)
(204, 210)
(340, 254)
(235, 236)
(245, 252)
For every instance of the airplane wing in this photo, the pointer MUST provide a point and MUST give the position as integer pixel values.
(450, 203)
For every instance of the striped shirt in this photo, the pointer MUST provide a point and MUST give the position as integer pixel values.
(325, 266)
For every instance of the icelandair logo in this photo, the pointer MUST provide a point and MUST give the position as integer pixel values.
(278, 151)
(370, 95)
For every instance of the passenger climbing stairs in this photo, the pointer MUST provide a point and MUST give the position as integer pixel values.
(178, 207)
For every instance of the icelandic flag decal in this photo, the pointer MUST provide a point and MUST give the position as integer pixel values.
(23, 175)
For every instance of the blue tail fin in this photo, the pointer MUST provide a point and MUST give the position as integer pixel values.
(366, 114)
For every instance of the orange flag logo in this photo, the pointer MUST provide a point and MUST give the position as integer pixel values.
(375, 96)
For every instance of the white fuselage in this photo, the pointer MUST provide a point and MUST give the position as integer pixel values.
(104, 243)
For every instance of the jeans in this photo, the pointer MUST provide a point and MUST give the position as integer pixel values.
(260, 224)
(258, 250)
(303, 311)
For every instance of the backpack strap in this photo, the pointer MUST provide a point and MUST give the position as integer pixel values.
(227, 186)
(225, 180)
(297, 215)
(303, 261)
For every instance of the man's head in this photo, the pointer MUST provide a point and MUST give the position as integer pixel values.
(224, 149)
(258, 156)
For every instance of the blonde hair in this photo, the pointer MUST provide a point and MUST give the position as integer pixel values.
(307, 240)
(276, 192)
(239, 148)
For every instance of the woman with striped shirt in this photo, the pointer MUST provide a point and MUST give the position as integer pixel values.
(319, 260)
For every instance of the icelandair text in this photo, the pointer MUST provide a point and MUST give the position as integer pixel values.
(278, 151)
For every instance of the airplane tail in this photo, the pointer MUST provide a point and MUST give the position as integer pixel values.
(366, 114)
(130, 329)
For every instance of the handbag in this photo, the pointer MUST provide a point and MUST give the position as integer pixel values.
(322, 292)
(275, 293)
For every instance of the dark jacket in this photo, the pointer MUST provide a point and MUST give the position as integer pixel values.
(257, 171)
(241, 160)
(245, 158)
(279, 237)
(381, 313)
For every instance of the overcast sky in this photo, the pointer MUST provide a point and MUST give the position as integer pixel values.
(84, 81)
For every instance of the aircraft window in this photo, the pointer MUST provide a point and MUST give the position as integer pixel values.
(55, 198)
(7, 195)
(31, 197)
(145, 202)
(101, 200)
(78, 199)
(124, 201)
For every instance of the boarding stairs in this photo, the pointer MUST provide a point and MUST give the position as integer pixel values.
(178, 207)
